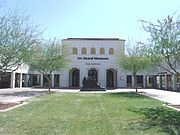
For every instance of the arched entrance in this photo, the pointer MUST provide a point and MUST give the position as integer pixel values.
(74, 77)
(111, 78)
(93, 74)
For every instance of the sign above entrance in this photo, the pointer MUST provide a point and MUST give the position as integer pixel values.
(93, 64)
(92, 58)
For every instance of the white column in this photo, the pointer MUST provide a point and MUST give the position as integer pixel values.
(20, 80)
(81, 76)
(59, 80)
(160, 82)
(105, 77)
(174, 80)
(166, 83)
(155, 82)
(12, 80)
(118, 79)
(133, 81)
(115, 78)
(124, 79)
(27, 80)
(144, 81)
(52, 78)
(41, 80)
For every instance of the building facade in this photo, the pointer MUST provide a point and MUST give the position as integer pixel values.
(95, 58)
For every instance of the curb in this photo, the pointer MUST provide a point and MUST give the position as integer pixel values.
(11, 108)
(168, 105)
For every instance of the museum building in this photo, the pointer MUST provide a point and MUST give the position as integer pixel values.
(90, 57)
(95, 58)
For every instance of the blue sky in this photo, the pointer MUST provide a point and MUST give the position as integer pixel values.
(94, 18)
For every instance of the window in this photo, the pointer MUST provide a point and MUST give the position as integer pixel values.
(83, 51)
(93, 50)
(111, 51)
(102, 51)
(74, 50)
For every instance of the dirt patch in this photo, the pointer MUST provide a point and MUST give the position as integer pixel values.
(175, 106)
(4, 106)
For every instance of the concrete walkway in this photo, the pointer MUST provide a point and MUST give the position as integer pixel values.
(17, 95)
(162, 95)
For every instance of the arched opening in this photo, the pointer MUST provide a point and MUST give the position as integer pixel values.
(111, 51)
(111, 78)
(93, 50)
(74, 50)
(83, 51)
(74, 77)
(102, 51)
(93, 74)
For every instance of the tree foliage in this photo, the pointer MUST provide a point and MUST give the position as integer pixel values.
(48, 57)
(17, 36)
(134, 60)
(164, 43)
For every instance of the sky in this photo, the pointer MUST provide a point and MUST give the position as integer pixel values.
(94, 18)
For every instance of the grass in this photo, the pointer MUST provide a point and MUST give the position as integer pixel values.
(91, 114)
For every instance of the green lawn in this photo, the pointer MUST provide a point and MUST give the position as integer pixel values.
(91, 114)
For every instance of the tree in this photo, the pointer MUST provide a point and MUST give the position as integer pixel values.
(164, 45)
(134, 60)
(47, 57)
(17, 36)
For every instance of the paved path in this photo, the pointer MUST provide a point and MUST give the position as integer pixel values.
(162, 95)
(16, 95)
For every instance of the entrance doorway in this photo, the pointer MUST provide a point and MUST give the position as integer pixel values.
(56, 80)
(74, 77)
(5, 80)
(92, 74)
(129, 80)
(111, 78)
(139, 81)
(17, 80)
(34, 80)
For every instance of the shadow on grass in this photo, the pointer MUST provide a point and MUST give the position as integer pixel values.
(127, 95)
(165, 119)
